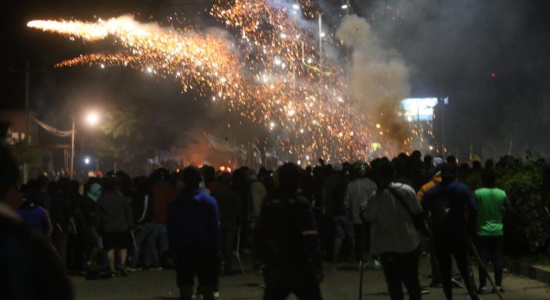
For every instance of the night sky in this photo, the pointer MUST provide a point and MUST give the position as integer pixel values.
(478, 55)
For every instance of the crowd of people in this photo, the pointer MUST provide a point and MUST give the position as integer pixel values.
(381, 215)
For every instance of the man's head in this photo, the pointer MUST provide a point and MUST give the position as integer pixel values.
(9, 172)
(225, 179)
(448, 172)
(451, 159)
(192, 177)
(489, 178)
(384, 172)
(289, 177)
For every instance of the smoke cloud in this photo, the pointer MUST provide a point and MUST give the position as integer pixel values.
(378, 78)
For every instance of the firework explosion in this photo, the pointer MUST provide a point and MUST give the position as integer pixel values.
(274, 75)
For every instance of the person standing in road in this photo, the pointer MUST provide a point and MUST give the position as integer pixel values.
(452, 210)
(231, 218)
(393, 234)
(287, 241)
(491, 202)
(193, 229)
(116, 222)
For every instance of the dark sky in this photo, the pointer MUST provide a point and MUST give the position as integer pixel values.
(452, 50)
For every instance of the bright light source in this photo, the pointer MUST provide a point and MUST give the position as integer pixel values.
(102, 66)
(277, 61)
(92, 118)
(296, 6)
(345, 6)
(309, 60)
(272, 125)
(149, 69)
(283, 36)
(87, 160)
(322, 34)
(378, 126)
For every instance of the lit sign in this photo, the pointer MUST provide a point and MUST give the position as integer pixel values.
(418, 109)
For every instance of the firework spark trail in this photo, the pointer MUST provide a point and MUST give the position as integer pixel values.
(272, 85)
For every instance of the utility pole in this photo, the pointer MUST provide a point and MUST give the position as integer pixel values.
(72, 150)
(27, 99)
(27, 73)
(320, 40)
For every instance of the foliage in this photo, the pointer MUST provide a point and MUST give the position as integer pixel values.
(527, 229)
(25, 153)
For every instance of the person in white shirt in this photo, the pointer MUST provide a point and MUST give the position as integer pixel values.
(393, 234)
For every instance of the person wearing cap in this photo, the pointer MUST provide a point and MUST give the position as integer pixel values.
(452, 211)
(436, 275)
(194, 235)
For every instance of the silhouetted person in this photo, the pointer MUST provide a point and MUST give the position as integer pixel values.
(287, 241)
(451, 159)
(194, 236)
(29, 267)
(116, 222)
(358, 192)
(452, 209)
(231, 218)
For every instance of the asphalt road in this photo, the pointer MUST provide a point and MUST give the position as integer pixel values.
(338, 285)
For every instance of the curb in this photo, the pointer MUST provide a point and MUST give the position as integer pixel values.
(527, 270)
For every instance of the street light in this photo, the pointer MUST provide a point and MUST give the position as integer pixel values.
(92, 118)
(87, 160)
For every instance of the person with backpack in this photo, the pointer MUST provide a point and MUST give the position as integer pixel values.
(452, 210)
(287, 241)
(394, 236)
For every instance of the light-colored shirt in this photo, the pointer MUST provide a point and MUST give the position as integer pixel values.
(356, 197)
(392, 227)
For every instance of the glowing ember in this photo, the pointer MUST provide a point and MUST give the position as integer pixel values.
(270, 78)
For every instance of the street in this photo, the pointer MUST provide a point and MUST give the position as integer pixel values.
(338, 284)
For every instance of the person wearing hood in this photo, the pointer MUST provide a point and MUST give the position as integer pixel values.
(193, 227)
(116, 223)
(91, 215)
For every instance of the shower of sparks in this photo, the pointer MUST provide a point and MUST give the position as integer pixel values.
(274, 75)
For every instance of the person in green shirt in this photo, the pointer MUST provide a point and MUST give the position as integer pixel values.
(491, 203)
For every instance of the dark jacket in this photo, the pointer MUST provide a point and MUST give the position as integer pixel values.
(452, 208)
(30, 268)
(143, 208)
(193, 221)
(230, 206)
(91, 213)
(286, 234)
(116, 215)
